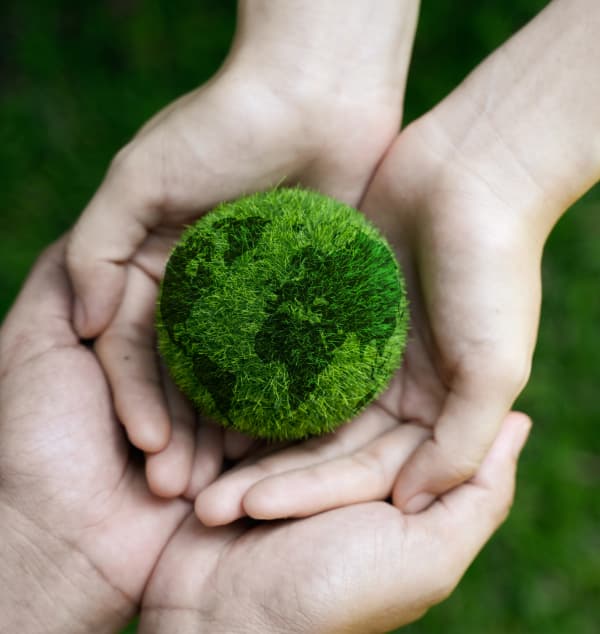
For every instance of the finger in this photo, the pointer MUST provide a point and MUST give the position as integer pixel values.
(40, 317)
(467, 516)
(208, 459)
(236, 444)
(463, 434)
(221, 502)
(363, 476)
(169, 471)
(110, 230)
(128, 354)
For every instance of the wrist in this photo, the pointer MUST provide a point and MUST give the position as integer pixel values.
(338, 49)
(474, 164)
(526, 120)
(48, 586)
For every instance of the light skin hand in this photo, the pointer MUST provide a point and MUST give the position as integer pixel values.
(467, 195)
(311, 93)
(501, 159)
(364, 568)
(356, 464)
(79, 532)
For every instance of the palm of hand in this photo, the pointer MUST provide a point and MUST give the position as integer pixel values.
(291, 577)
(231, 137)
(67, 465)
(66, 469)
(360, 568)
(473, 281)
(474, 292)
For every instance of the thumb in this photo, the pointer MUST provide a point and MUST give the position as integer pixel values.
(466, 517)
(464, 432)
(107, 235)
(39, 319)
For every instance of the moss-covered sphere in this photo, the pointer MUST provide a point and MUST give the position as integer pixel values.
(282, 314)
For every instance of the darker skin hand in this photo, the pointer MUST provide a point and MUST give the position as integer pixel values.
(364, 568)
(68, 478)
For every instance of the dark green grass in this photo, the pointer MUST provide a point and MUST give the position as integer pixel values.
(282, 314)
(76, 80)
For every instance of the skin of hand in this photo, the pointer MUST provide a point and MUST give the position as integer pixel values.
(364, 568)
(311, 93)
(467, 195)
(79, 531)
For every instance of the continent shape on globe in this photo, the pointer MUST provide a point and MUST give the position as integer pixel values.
(282, 314)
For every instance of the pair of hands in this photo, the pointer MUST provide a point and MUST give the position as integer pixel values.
(84, 543)
(471, 262)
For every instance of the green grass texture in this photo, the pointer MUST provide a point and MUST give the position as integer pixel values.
(282, 314)
(77, 79)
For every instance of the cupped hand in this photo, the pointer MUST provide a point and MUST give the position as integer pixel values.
(72, 494)
(472, 267)
(362, 568)
(472, 262)
(267, 118)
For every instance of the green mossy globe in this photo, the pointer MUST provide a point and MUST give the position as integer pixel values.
(282, 314)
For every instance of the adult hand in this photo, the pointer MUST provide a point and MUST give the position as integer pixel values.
(364, 568)
(79, 530)
(312, 94)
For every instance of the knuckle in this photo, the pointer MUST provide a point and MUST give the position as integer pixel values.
(371, 463)
(442, 587)
(491, 368)
(461, 466)
(137, 169)
(502, 509)
(512, 372)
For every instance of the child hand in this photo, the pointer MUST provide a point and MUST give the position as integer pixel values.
(264, 119)
(472, 273)
(467, 195)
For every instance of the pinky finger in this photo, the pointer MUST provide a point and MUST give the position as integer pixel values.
(208, 458)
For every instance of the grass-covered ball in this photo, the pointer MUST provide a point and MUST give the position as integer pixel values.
(282, 314)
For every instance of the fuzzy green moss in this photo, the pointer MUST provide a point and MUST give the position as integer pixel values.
(282, 314)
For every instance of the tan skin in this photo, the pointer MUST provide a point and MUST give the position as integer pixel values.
(80, 530)
(85, 545)
(497, 180)
(289, 576)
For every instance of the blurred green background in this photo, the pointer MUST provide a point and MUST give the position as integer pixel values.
(76, 81)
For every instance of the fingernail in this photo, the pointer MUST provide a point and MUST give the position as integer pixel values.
(79, 317)
(520, 436)
(418, 503)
